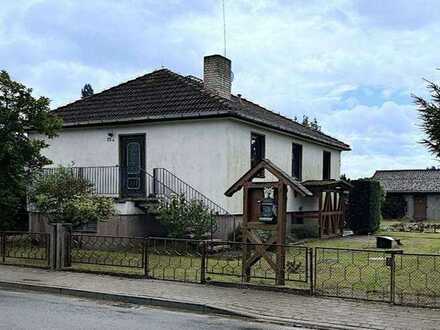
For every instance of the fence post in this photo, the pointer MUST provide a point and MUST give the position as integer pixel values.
(393, 278)
(311, 271)
(66, 247)
(60, 252)
(203, 264)
(4, 247)
(145, 252)
(53, 246)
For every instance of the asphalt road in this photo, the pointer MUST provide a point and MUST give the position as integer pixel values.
(28, 310)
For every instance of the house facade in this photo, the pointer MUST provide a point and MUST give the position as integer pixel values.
(419, 188)
(164, 132)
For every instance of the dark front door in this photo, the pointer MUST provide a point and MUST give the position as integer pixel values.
(132, 165)
(419, 207)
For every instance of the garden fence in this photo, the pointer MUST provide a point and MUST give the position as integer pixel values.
(378, 275)
(25, 249)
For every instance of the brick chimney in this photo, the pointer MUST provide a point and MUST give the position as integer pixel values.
(217, 75)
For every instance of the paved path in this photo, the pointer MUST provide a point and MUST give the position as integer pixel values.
(296, 309)
(45, 311)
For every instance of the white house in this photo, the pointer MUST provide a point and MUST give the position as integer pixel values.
(165, 132)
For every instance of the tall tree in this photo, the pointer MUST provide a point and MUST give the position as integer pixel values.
(86, 91)
(20, 155)
(429, 111)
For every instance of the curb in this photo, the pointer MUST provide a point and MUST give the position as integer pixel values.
(172, 304)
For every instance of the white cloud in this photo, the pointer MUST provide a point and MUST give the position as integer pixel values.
(293, 56)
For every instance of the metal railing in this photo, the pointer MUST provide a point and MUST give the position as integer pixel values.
(105, 179)
(185, 260)
(167, 183)
(25, 249)
(180, 187)
(107, 253)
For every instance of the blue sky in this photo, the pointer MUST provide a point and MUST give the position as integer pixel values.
(352, 64)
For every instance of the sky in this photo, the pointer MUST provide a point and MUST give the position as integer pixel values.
(351, 64)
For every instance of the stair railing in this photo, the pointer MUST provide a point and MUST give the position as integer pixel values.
(168, 181)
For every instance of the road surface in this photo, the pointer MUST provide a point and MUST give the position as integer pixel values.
(28, 310)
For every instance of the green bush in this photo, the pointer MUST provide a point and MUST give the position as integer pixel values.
(394, 207)
(309, 230)
(186, 219)
(364, 206)
(66, 198)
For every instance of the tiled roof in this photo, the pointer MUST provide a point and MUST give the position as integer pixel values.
(163, 94)
(410, 181)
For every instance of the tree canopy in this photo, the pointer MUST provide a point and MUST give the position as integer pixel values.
(19, 154)
(86, 91)
(429, 111)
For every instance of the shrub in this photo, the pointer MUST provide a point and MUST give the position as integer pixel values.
(305, 231)
(186, 219)
(364, 206)
(394, 207)
(66, 198)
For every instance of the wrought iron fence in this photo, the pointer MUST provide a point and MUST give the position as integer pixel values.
(176, 259)
(379, 275)
(23, 248)
(351, 273)
(224, 263)
(108, 254)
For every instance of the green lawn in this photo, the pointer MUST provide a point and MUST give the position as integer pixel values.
(187, 267)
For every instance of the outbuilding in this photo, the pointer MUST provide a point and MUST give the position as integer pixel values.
(420, 189)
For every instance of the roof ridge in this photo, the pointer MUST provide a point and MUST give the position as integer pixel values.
(410, 170)
(292, 121)
(111, 88)
(200, 88)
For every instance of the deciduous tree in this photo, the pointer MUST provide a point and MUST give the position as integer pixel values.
(19, 154)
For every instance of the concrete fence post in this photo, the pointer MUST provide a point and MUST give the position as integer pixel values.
(60, 245)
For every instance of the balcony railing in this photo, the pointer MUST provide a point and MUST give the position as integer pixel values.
(105, 179)
(162, 185)
(106, 182)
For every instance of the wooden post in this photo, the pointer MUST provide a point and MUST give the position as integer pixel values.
(281, 234)
(245, 273)
(320, 214)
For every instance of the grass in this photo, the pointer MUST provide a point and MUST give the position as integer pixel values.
(339, 272)
(187, 267)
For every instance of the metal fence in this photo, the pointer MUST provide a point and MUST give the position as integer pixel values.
(416, 279)
(224, 263)
(25, 249)
(176, 259)
(378, 275)
(186, 260)
(351, 273)
(400, 278)
(107, 254)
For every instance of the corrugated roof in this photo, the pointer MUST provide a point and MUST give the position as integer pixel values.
(163, 95)
(409, 181)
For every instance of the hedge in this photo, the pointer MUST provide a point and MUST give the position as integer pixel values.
(364, 206)
(394, 207)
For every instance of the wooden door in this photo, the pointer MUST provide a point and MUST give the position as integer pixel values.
(255, 196)
(419, 207)
(132, 165)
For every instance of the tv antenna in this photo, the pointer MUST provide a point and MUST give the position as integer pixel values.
(224, 28)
